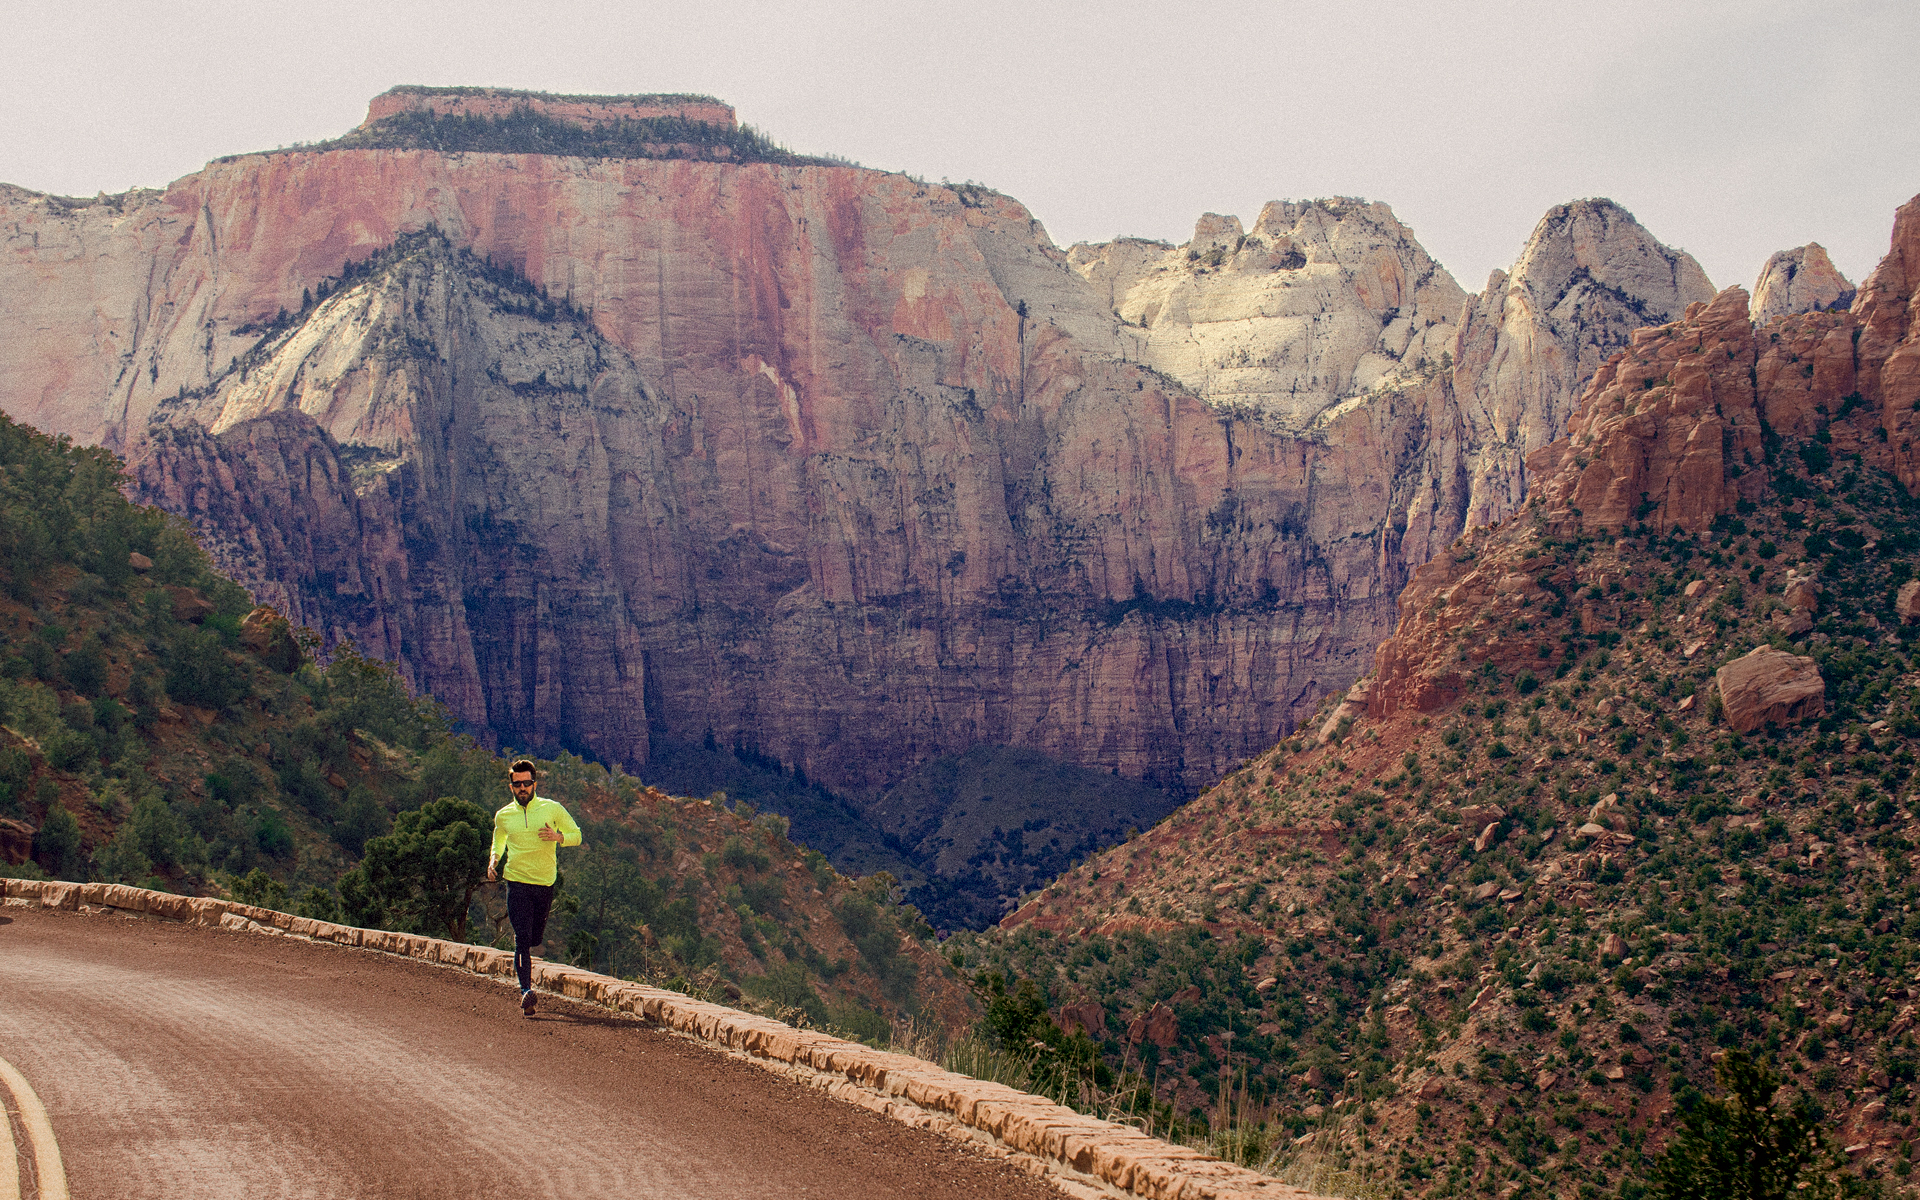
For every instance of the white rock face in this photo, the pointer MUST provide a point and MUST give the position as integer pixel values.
(1590, 275)
(1328, 305)
(1799, 280)
(1320, 301)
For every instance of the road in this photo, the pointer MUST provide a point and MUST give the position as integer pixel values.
(182, 1061)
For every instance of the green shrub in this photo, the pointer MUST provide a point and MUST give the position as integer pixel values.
(260, 890)
(422, 876)
(201, 671)
(86, 669)
(57, 844)
(272, 833)
(16, 770)
(318, 904)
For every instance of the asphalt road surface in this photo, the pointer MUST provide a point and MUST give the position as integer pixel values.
(182, 1061)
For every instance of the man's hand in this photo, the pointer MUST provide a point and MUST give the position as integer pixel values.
(549, 834)
(490, 875)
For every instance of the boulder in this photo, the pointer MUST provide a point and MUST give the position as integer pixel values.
(1695, 588)
(189, 605)
(1433, 1088)
(1907, 602)
(1793, 622)
(269, 637)
(1157, 1026)
(1800, 592)
(1086, 1016)
(1770, 685)
(139, 562)
(1614, 946)
(16, 842)
(1476, 817)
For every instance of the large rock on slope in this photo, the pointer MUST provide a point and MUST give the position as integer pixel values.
(1770, 686)
(1800, 280)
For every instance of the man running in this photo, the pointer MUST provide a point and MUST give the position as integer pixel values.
(531, 829)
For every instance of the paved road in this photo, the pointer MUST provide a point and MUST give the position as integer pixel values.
(182, 1061)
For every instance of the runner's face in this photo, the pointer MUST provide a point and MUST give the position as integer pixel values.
(522, 784)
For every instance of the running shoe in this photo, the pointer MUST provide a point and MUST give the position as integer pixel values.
(526, 1002)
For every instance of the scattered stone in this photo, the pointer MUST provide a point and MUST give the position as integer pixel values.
(1695, 588)
(139, 562)
(1686, 702)
(1770, 685)
(1545, 1080)
(1614, 946)
(1615, 1074)
(1433, 1088)
(1485, 892)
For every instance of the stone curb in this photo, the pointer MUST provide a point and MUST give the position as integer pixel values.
(1085, 1154)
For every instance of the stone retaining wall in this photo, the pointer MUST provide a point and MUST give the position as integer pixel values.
(1085, 1155)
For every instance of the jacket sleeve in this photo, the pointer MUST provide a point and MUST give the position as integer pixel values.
(569, 831)
(499, 840)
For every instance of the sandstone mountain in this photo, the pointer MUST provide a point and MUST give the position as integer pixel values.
(1799, 280)
(630, 436)
(1632, 783)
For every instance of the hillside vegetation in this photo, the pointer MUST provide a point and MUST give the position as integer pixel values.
(157, 729)
(1486, 928)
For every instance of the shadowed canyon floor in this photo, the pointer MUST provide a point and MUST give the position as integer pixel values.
(181, 1061)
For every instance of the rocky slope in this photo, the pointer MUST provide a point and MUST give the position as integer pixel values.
(846, 471)
(1633, 782)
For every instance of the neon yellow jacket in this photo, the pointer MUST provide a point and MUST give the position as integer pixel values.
(516, 829)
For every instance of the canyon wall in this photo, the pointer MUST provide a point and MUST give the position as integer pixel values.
(848, 469)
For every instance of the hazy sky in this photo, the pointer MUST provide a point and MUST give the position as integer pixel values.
(1730, 129)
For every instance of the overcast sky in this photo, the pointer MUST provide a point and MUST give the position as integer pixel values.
(1730, 129)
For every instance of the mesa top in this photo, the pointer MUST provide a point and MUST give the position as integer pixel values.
(516, 829)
